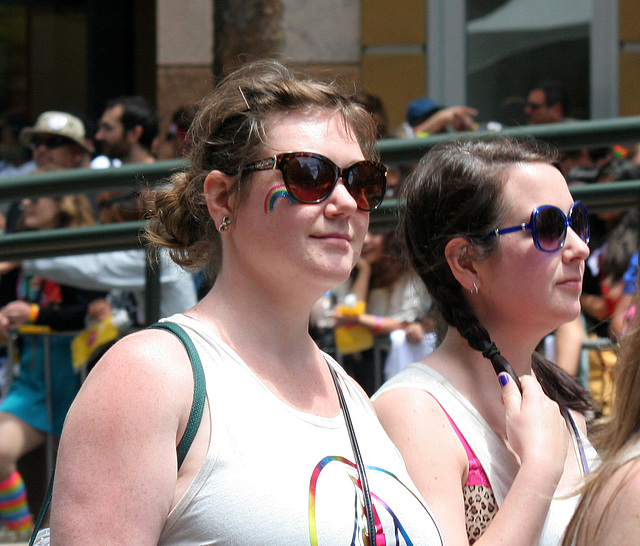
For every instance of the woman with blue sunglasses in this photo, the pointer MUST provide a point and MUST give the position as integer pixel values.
(491, 228)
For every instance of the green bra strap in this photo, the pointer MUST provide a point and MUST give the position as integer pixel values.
(199, 388)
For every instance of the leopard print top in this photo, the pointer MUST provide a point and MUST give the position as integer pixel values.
(480, 507)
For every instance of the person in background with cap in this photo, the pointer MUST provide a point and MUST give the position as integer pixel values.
(57, 141)
(426, 117)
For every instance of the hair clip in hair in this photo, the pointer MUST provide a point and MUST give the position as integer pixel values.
(244, 98)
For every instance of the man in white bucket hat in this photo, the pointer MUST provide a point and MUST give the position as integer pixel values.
(57, 139)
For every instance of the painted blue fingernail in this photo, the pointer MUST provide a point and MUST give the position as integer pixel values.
(504, 379)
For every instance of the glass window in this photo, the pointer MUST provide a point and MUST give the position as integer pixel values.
(512, 44)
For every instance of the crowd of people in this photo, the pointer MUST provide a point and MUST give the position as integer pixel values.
(65, 294)
(419, 385)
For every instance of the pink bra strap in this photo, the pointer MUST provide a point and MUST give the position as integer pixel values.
(477, 475)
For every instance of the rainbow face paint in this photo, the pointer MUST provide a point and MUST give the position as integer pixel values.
(280, 190)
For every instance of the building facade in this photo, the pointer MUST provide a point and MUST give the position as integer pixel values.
(76, 54)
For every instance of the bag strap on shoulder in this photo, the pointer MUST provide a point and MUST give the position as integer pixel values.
(199, 388)
(197, 409)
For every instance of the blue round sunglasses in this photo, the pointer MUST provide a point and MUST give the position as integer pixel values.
(548, 226)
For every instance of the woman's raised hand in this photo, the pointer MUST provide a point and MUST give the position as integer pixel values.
(536, 431)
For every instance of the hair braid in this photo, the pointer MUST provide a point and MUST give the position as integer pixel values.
(457, 312)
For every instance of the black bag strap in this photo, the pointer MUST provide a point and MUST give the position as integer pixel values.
(360, 466)
(197, 409)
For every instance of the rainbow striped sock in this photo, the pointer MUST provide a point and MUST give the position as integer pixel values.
(14, 510)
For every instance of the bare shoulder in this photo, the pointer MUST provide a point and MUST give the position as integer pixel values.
(147, 353)
(130, 411)
(616, 514)
(137, 372)
(406, 404)
(420, 428)
(434, 456)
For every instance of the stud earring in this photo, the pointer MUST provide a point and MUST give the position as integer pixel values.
(474, 289)
(224, 225)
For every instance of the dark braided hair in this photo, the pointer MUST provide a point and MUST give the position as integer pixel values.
(457, 191)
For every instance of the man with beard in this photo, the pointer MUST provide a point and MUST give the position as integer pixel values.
(127, 130)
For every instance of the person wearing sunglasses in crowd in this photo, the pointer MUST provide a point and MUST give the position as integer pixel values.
(120, 272)
(58, 139)
(276, 200)
(492, 230)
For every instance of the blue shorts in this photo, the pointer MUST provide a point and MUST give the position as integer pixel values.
(27, 397)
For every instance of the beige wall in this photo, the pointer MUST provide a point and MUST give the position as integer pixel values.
(396, 79)
(385, 57)
(321, 31)
(184, 49)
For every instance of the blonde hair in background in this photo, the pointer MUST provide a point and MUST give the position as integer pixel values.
(613, 436)
(75, 211)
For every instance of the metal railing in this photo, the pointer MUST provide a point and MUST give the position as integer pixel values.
(67, 241)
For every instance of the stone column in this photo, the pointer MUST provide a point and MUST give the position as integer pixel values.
(246, 30)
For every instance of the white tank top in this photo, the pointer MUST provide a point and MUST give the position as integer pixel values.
(275, 475)
(497, 462)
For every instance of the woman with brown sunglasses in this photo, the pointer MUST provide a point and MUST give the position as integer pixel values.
(275, 206)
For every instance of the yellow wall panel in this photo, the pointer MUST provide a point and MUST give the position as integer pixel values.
(629, 27)
(629, 84)
(396, 79)
(387, 22)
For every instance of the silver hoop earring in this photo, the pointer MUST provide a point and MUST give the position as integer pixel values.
(226, 222)
(474, 289)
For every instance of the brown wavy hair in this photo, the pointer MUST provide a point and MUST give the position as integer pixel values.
(75, 211)
(230, 131)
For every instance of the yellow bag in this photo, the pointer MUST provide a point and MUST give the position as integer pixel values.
(87, 341)
(353, 338)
